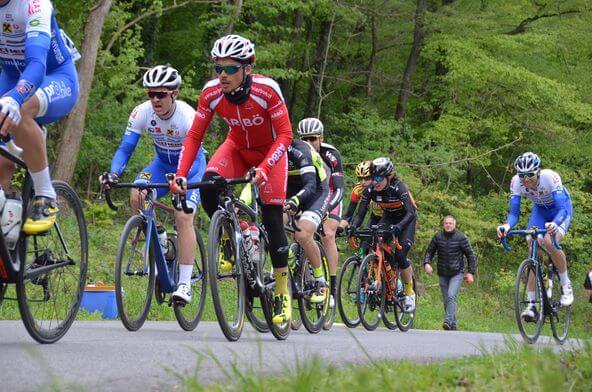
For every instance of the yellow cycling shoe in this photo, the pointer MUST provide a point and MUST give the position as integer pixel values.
(282, 308)
(42, 216)
(224, 255)
(320, 293)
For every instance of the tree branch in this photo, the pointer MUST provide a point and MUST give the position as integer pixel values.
(521, 28)
(139, 18)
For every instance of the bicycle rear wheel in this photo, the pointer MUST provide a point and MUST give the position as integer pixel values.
(312, 314)
(561, 315)
(51, 281)
(530, 328)
(403, 319)
(134, 274)
(347, 293)
(227, 285)
(189, 315)
(371, 299)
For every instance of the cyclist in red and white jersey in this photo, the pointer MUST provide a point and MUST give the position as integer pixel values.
(260, 132)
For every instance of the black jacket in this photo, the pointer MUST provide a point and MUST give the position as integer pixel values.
(451, 248)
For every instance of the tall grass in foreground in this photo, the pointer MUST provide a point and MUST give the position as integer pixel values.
(517, 369)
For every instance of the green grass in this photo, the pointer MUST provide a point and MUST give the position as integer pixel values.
(516, 368)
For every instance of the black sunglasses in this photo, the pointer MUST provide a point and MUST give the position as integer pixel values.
(309, 138)
(158, 94)
(229, 69)
(527, 175)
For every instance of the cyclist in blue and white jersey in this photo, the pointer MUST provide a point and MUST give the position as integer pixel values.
(38, 85)
(167, 120)
(551, 210)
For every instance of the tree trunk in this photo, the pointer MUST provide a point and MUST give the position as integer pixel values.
(314, 89)
(418, 37)
(74, 125)
(238, 5)
(372, 54)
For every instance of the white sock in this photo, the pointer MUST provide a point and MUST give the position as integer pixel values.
(42, 184)
(564, 278)
(185, 271)
(531, 295)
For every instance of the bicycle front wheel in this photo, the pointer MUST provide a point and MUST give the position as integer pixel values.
(404, 319)
(371, 294)
(312, 314)
(561, 315)
(226, 276)
(530, 326)
(51, 280)
(347, 293)
(189, 315)
(134, 274)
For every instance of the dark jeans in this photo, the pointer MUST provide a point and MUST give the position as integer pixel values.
(450, 285)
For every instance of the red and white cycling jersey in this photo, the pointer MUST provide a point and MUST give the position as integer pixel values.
(262, 121)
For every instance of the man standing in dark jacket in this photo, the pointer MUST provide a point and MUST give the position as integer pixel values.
(452, 246)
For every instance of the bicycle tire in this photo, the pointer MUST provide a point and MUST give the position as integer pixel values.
(530, 336)
(220, 224)
(133, 301)
(330, 312)
(348, 275)
(3, 287)
(188, 316)
(404, 320)
(371, 299)
(307, 281)
(73, 274)
(561, 315)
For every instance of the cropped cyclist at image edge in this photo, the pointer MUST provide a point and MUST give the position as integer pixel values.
(551, 210)
(259, 135)
(167, 120)
(39, 85)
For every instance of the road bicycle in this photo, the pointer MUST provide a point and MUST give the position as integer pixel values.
(347, 284)
(547, 288)
(49, 269)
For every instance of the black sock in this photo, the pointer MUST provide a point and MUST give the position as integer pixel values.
(333, 280)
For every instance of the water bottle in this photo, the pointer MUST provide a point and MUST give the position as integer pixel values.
(247, 239)
(549, 286)
(162, 239)
(11, 221)
(255, 240)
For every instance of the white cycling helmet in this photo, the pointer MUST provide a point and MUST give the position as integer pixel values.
(162, 76)
(527, 163)
(234, 46)
(310, 127)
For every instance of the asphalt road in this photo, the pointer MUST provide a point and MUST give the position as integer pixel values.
(104, 356)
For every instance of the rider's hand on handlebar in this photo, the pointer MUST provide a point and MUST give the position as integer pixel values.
(178, 185)
(108, 178)
(260, 176)
(291, 205)
(10, 115)
(502, 230)
(551, 228)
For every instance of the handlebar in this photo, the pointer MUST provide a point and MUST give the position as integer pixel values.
(533, 232)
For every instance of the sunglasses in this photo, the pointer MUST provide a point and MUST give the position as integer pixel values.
(377, 178)
(309, 138)
(527, 175)
(158, 94)
(229, 69)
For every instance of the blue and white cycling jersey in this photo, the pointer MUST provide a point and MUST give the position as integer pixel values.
(551, 199)
(35, 59)
(167, 135)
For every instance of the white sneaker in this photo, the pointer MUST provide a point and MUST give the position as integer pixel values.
(409, 303)
(530, 314)
(183, 293)
(567, 297)
(331, 302)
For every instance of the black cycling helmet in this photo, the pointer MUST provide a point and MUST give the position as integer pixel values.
(382, 166)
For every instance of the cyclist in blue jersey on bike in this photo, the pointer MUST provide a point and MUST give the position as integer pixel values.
(38, 85)
(552, 210)
(167, 120)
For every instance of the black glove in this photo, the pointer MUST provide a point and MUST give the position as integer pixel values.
(339, 230)
(351, 230)
(291, 205)
(108, 178)
(396, 230)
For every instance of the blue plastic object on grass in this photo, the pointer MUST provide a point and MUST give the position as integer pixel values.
(101, 298)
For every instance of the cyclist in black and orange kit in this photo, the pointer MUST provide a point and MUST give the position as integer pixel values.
(363, 170)
(400, 215)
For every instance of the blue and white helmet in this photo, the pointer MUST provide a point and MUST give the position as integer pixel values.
(528, 162)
